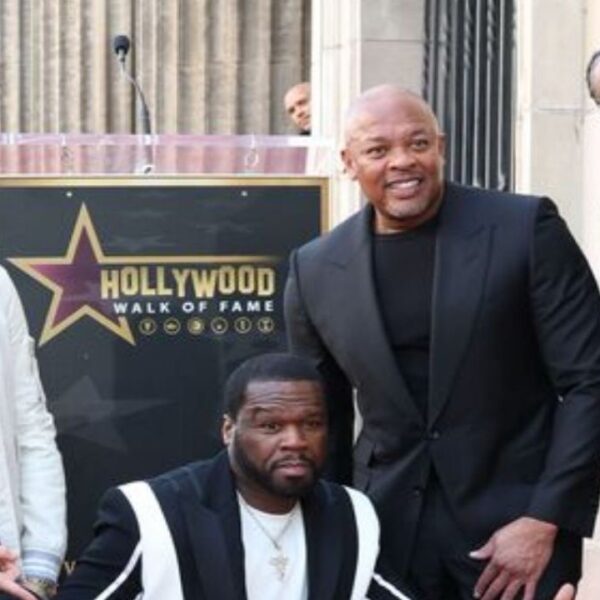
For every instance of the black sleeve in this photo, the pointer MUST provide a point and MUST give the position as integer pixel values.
(111, 563)
(566, 312)
(304, 340)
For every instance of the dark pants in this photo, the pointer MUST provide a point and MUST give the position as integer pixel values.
(442, 570)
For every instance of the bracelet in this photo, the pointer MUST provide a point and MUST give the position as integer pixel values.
(39, 587)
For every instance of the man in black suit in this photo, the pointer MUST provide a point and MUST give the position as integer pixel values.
(468, 322)
(253, 523)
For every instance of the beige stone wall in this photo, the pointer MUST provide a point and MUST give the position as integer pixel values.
(550, 103)
(393, 35)
(206, 66)
(557, 150)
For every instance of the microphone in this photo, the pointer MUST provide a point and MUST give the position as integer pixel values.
(121, 45)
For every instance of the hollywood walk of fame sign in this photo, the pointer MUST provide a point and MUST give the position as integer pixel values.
(142, 295)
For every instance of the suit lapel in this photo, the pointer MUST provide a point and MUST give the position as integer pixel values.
(462, 255)
(212, 518)
(365, 328)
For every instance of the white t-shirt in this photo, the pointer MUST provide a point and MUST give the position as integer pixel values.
(272, 574)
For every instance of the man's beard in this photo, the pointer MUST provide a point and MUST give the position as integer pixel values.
(290, 488)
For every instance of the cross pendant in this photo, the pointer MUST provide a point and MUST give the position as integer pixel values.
(280, 563)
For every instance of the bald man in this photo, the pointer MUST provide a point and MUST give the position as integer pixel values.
(468, 323)
(593, 77)
(297, 106)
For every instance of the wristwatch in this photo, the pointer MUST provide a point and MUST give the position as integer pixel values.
(40, 587)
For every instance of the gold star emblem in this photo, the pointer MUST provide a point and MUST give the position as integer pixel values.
(74, 280)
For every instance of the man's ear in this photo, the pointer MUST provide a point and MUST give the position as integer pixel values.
(348, 161)
(441, 139)
(227, 429)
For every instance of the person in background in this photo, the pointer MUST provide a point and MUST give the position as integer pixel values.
(297, 106)
(592, 77)
(468, 322)
(32, 484)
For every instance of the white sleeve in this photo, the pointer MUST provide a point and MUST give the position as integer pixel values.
(42, 482)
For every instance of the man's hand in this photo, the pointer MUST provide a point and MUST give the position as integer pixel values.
(9, 572)
(517, 555)
(566, 592)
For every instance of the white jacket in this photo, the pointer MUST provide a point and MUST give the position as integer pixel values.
(32, 483)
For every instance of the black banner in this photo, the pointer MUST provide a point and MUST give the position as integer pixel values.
(143, 294)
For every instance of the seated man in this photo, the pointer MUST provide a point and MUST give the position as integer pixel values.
(255, 522)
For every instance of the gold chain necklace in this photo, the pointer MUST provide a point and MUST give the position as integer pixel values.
(280, 561)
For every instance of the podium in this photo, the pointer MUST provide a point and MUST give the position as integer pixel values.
(149, 268)
(62, 154)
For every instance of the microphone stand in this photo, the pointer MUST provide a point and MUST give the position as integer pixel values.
(148, 167)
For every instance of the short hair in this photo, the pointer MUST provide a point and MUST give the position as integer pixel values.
(595, 58)
(381, 93)
(266, 367)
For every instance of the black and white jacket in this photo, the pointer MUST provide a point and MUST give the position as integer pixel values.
(178, 537)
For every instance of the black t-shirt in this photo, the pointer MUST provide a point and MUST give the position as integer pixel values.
(403, 270)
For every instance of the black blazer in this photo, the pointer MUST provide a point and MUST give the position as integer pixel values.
(200, 506)
(513, 422)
